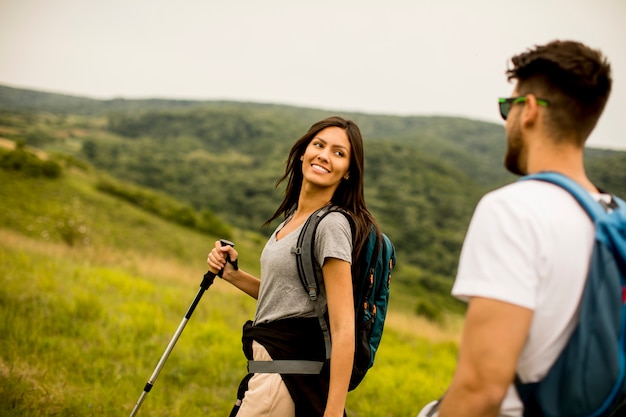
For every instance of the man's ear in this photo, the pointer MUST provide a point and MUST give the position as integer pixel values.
(530, 112)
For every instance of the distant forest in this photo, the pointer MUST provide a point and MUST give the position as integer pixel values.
(424, 175)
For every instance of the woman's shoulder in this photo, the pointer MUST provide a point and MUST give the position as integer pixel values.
(333, 237)
(337, 218)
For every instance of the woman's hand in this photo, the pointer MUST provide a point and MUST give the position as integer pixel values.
(240, 279)
(217, 258)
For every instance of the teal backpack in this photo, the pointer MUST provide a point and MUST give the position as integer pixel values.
(371, 276)
(588, 378)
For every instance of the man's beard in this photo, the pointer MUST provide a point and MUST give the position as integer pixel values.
(515, 158)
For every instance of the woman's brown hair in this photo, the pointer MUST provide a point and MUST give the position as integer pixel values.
(349, 194)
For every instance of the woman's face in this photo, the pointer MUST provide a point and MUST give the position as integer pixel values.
(326, 159)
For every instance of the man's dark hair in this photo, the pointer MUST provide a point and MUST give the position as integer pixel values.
(575, 79)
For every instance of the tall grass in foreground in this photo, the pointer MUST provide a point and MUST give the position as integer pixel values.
(82, 336)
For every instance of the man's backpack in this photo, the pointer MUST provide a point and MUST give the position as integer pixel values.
(588, 378)
(371, 276)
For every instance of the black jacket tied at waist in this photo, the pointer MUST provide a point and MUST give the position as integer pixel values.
(289, 339)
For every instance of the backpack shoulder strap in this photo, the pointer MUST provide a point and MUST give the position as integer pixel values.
(304, 254)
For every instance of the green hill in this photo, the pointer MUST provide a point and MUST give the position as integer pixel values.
(94, 286)
(219, 160)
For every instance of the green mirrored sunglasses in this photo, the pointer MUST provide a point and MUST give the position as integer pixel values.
(507, 103)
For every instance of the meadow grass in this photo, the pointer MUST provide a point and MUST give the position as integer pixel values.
(85, 319)
(82, 336)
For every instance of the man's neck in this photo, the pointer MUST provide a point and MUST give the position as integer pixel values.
(563, 157)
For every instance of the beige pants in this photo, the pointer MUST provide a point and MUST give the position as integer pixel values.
(267, 395)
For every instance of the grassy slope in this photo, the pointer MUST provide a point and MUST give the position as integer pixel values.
(84, 325)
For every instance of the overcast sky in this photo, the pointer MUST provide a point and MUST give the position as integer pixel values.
(405, 57)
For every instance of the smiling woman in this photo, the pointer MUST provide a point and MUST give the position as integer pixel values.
(325, 166)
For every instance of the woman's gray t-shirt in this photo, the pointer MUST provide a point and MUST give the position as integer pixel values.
(281, 294)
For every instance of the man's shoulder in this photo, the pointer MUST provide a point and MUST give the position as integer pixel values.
(535, 201)
(529, 192)
(525, 188)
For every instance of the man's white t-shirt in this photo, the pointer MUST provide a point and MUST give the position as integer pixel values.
(529, 244)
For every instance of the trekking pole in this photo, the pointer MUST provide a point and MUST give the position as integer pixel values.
(207, 281)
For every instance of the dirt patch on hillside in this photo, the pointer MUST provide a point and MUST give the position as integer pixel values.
(9, 144)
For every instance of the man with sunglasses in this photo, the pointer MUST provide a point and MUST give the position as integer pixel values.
(527, 250)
